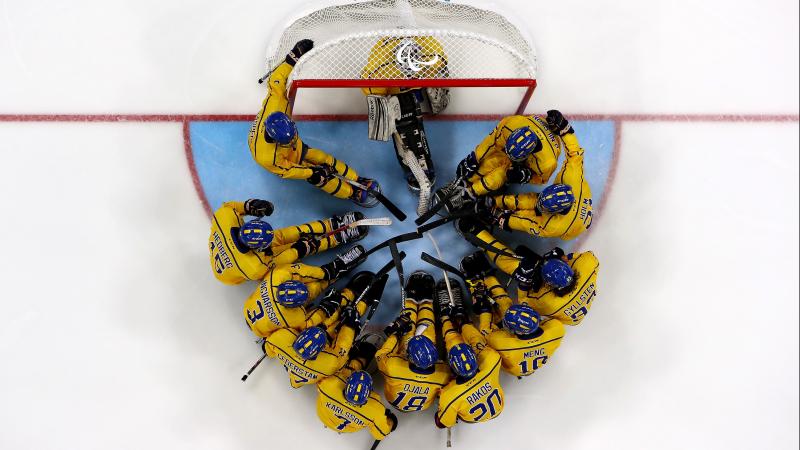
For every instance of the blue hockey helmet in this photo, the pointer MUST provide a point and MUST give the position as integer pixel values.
(463, 361)
(292, 294)
(521, 319)
(310, 342)
(256, 234)
(421, 352)
(557, 273)
(358, 387)
(556, 198)
(280, 128)
(521, 143)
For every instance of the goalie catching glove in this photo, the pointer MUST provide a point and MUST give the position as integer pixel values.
(299, 49)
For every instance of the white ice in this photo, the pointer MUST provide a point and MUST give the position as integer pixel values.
(114, 335)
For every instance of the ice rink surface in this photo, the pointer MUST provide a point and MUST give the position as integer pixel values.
(114, 334)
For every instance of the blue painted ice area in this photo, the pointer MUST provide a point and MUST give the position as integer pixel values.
(227, 172)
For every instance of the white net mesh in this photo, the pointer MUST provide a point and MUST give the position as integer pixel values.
(407, 39)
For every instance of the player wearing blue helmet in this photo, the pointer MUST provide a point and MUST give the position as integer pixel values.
(240, 251)
(347, 402)
(275, 144)
(521, 149)
(475, 395)
(278, 301)
(563, 209)
(556, 293)
(413, 379)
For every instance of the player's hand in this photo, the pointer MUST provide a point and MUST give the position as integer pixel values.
(350, 318)
(306, 245)
(526, 272)
(467, 167)
(321, 174)
(299, 49)
(330, 303)
(481, 304)
(555, 253)
(362, 350)
(258, 208)
(400, 326)
(476, 266)
(558, 123)
(519, 174)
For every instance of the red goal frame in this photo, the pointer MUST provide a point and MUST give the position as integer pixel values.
(529, 83)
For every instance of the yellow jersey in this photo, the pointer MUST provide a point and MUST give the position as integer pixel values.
(477, 400)
(232, 262)
(521, 357)
(406, 388)
(543, 163)
(301, 372)
(389, 58)
(568, 307)
(264, 314)
(282, 160)
(341, 416)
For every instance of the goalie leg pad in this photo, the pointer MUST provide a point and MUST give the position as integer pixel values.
(411, 135)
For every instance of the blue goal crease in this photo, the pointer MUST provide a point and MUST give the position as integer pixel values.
(227, 172)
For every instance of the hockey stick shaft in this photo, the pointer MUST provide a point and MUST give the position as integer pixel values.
(244, 377)
(437, 207)
(378, 221)
(398, 266)
(397, 239)
(397, 212)
(442, 265)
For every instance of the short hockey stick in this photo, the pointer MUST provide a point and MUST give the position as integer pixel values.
(397, 212)
(397, 239)
(253, 367)
(371, 222)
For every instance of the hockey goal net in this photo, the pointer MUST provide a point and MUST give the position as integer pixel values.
(381, 45)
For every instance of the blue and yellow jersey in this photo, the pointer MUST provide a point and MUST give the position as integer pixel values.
(522, 357)
(406, 388)
(480, 398)
(567, 225)
(264, 314)
(568, 307)
(341, 416)
(493, 163)
(284, 161)
(302, 372)
(232, 262)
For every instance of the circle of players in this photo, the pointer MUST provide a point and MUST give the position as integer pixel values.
(440, 345)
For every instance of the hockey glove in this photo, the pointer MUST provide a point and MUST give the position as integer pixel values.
(481, 304)
(519, 174)
(555, 253)
(468, 225)
(258, 208)
(400, 326)
(321, 174)
(299, 49)
(392, 418)
(351, 319)
(467, 167)
(558, 123)
(330, 303)
(526, 272)
(306, 246)
(476, 266)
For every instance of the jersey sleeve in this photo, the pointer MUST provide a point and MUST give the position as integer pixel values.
(449, 415)
(498, 293)
(344, 341)
(380, 426)
(237, 207)
(572, 171)
(491, 142)
(389, 347)
(306, 273)
(505, 263)
(473, 337)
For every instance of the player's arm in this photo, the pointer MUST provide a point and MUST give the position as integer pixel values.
(389, 348)
(473, 337)
(289, 170)
(505, 263)
(447, 415)
(384, 422)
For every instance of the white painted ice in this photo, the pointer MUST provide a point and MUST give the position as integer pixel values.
(114, 336)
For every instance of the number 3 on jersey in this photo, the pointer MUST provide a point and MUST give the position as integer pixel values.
(487, 406)
(413, 403)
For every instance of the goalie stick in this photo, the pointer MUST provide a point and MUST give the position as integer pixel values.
(397, 212)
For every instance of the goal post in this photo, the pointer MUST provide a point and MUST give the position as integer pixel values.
(384, 46)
